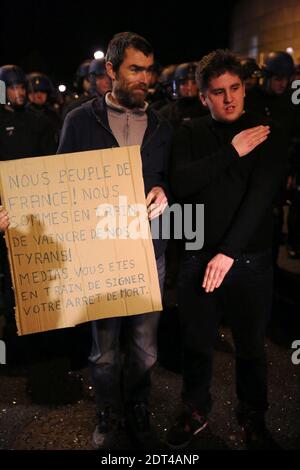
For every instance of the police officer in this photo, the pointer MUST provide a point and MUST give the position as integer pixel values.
(81, 82)
(166, 88)
(98, 83)
(22, 133)
(273, 99)
(40, 100)
(188, 104)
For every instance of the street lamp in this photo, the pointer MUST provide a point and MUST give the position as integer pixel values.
(98, 55)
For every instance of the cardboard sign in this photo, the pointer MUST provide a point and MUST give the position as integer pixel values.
(79, 242)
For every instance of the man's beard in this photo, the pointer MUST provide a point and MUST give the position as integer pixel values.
(128, 99)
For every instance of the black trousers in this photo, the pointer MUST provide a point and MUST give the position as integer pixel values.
(246, 297)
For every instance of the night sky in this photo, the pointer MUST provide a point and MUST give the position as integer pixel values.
(54, 37)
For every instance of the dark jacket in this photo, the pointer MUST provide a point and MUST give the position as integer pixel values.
(237, 193)
(87, 128)
(22, 134)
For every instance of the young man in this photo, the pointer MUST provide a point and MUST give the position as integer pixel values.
(233, 163)
(122, 118)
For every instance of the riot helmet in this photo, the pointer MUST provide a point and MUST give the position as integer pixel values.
(278, 70)
(12, 75)
(40, 88)
(279, 63)
(15, 82)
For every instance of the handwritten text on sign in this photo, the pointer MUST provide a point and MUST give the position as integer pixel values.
(63, 272)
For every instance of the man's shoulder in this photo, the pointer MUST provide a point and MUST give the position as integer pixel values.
(83, 112)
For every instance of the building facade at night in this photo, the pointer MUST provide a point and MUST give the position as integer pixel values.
(262, 26)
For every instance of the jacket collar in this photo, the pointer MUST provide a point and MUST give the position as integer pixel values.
(97, 107)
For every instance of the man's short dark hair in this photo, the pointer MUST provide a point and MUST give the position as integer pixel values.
(215, 64)
(120, 42)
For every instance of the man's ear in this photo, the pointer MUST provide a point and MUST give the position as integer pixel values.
(109, 70)
(203, 99)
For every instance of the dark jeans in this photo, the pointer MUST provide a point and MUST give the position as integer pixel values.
(116, 384)
(245, 295)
